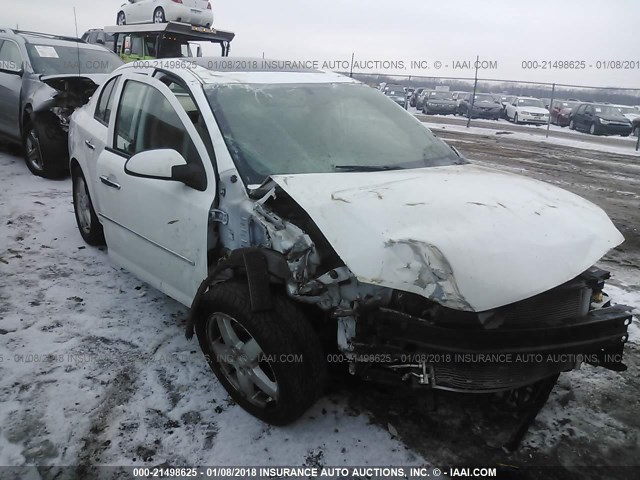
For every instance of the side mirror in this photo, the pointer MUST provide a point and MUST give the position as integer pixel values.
(166, 164)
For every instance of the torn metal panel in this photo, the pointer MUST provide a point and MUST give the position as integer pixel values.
(468, 237)
(62, 94)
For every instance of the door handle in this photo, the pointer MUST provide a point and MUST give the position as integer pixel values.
(89, 144)
(109, 183)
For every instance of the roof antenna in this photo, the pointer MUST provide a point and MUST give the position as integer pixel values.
(75, 18)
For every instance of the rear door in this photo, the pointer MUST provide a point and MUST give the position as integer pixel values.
(156, 229)
(93, 125)
(10, 88)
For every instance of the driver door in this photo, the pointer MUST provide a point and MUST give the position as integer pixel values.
(155, 228)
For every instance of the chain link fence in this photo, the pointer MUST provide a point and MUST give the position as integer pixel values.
(545, 91)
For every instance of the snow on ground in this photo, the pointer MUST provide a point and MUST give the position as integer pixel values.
(95, 367)
(577, 143)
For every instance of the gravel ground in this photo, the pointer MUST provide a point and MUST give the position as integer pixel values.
(94, 366)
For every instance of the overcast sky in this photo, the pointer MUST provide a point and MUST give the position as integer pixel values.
(507, 31)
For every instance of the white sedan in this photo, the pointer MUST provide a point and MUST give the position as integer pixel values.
(274, 207)
(527, 110)
(195, 12)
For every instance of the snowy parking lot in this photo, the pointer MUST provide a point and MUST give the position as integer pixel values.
(95, 367)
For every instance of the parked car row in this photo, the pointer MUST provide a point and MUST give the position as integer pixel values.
(597, 119)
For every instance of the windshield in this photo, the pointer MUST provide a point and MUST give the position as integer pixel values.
(54, 59)
(320, 128)
(441, 96)
(607, 110)
(627, 110)
(485, 97)
(394, 90)
(530, 102)
(569, 105)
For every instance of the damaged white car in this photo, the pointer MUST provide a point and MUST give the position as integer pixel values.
(302, 214)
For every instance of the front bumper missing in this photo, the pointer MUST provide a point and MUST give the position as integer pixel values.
(474, 359)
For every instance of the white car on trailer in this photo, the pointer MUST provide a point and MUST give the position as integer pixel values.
(195, 12)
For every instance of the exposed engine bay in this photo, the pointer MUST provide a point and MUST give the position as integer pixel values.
(393, 336)
(71, 92)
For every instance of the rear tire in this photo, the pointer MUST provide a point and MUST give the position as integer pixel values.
(45, 148)
(121, 19)
(572, 124)
(291, 375)
(158, 16)
(88, 224)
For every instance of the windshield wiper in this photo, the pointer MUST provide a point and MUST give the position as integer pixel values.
(366, 168)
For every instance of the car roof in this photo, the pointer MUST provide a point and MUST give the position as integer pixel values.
(42, 38)
(239, 70)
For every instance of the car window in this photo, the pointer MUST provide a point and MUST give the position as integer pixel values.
(136, 46)
(147, 121)
(105, 102)
(10, 56)
(189, 104)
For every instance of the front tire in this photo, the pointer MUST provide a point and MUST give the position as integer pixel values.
(44, 148)
(593, 130)
(271, 363)
(88, 224)
(158, 16)
(515, 118)
(572, 124)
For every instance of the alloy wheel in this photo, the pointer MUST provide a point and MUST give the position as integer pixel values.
(83, 205)
(242, 360)
(34, 155)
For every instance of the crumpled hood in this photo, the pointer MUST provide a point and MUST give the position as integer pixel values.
(71, 90)
(465, 236)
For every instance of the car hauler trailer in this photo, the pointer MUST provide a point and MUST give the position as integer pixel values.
(165, 40)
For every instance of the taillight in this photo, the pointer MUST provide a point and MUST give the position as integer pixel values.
(177, 1)
(208, 5)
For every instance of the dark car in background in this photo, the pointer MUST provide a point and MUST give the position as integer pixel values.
(482, 105)
(561, 112)
(97, 36)
(414, 96)
(439, 103)
(397, 94)
(504, 100)
(421, 98)
(599, 119)
(43, 79)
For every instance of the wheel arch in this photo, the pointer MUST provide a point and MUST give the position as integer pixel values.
(261, 268)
